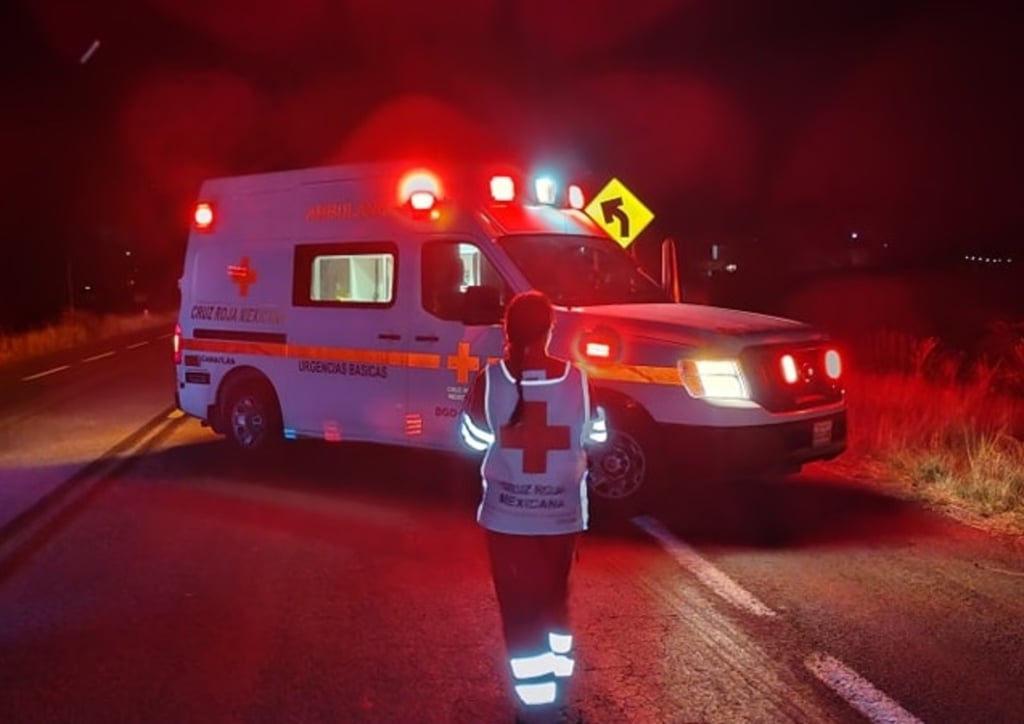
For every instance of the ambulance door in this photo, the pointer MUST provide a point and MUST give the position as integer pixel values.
(347, 337)
(451, 351)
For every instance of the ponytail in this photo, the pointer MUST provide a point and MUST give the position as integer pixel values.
(516, 355)
(528, 319)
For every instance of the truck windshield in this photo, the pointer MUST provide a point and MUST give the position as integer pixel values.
(576, 271)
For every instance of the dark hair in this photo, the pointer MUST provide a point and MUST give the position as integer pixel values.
(528, 319)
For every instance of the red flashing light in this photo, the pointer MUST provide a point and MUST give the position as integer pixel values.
(833, 364)
(203, 216)
(503, 188)
(422, 200)
(600, 346)
(417, 181)
(789, 370)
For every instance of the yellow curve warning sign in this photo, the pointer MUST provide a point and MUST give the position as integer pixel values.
(619, 212)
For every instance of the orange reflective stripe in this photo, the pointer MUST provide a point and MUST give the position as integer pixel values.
(643, 374)
(418, 360)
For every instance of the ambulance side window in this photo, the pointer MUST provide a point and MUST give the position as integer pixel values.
(358, 274)
(450, 267)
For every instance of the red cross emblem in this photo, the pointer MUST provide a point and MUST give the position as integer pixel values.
(463, 363)
(535, 437)
(242, 275)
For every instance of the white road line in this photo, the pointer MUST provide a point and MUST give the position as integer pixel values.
(857, 691)
(137, 345)
(99, 356)
(44, 374)
(705, 572)
(165, 336)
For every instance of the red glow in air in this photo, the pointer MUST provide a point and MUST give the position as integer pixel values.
(203, 216)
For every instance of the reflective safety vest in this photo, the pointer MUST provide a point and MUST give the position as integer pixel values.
(534, 473)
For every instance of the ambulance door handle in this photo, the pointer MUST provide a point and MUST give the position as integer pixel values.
(427, 338)
(388, 335)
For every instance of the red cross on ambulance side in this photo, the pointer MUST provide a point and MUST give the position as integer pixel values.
(534, 437)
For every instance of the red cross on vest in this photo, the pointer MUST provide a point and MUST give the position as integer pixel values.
(242, 275)
(535, 437)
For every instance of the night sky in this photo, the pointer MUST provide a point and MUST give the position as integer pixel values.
(791, 122)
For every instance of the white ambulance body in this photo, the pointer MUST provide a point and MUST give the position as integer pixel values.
(355, 303)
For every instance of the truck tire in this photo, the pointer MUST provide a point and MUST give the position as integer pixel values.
(251, 414)
(624, 470)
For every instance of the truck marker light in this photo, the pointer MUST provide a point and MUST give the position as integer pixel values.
(545, 190)
(833, 364)
(789, 371)
(177, 344)
(598, 349)
(576, 200)
(203, 216)
(502, 188)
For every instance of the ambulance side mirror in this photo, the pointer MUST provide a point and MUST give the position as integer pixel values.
(482, 305)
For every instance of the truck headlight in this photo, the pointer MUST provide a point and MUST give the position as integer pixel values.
(720, 379)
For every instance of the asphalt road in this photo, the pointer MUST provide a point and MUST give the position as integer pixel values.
(147, 573)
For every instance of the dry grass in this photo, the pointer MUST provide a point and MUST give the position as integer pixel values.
(952, 434)
(72, 330)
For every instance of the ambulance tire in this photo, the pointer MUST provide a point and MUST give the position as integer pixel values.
(250, 413)
(625, 472)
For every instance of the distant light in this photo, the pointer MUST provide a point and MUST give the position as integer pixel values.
(854, 235)
(87, 287)
(545, 189)
(127, 253)
(731, 268)
(503, 188)
(89, 52)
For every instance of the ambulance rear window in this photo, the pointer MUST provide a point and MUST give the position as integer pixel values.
(361, 274)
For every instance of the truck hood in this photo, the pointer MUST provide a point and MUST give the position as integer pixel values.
(691, 324)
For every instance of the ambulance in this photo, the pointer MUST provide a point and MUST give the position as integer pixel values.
(357, 303)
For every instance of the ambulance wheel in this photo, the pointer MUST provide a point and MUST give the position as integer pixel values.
(250, 413)
(623, 469)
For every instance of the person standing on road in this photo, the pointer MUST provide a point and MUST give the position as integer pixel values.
(533, 415)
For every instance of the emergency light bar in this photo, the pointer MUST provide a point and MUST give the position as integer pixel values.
(545, 189)
(576, 200)
(503, 188)
(421, 200)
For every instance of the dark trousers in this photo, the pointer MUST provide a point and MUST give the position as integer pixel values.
(531, 580)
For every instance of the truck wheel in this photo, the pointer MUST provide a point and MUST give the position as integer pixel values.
(622, 470)
(250, 414)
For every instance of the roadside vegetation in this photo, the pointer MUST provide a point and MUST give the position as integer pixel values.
(74, 329)
(946, 424)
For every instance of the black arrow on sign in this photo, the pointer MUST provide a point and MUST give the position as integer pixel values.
(612, 209)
